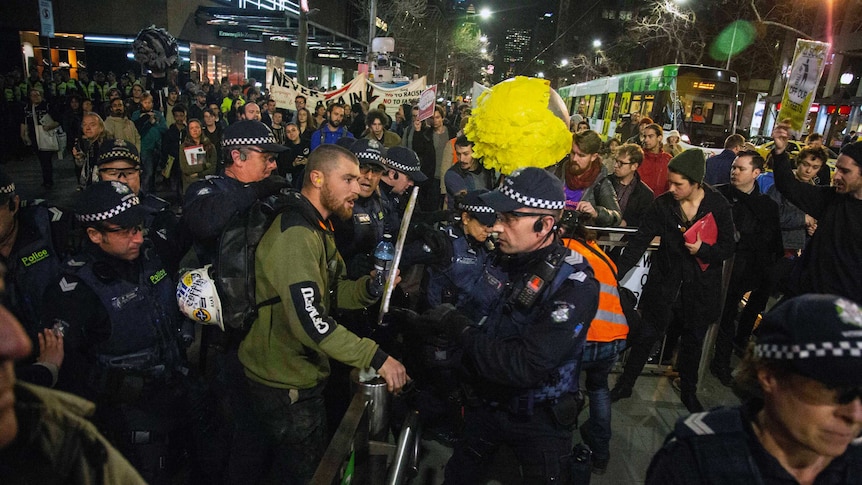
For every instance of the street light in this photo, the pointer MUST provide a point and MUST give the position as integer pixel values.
(564, 63)
(485, 13)
(597, 43)
(540, 74)
(483, 38)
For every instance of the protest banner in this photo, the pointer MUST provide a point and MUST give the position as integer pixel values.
(808, 63)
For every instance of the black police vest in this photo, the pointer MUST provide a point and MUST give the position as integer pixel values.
(512, 319)
(368, 227)
(471, 284)
(32, 267)
(143, 314)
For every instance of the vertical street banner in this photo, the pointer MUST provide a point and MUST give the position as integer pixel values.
(284, 90)
(805, 71)
(46, 18)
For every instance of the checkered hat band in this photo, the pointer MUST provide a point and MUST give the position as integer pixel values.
(401, 167)
(229, 142)
(124, 153)
(476, 208)
(373, 157)
(8, 189)
(532, 201)
(109, 214)
(809, 351)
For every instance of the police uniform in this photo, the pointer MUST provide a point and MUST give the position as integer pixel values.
(813, 336)
(526, 398)
(356, 238)
(210, 203)
(122, 339)
(404, 162)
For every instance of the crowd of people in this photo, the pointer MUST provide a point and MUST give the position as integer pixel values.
(505, 294)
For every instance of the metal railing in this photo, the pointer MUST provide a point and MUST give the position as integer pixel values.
(612, 239)
(358, 454)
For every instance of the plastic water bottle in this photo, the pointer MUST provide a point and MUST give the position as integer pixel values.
(384, 254)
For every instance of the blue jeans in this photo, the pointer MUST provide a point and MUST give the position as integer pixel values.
(599, 358)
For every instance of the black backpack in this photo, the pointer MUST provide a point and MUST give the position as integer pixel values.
(233, 268)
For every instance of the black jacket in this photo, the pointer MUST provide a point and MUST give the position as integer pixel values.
(831, 260)
(639, 200)
(755, 217)
(674, 273)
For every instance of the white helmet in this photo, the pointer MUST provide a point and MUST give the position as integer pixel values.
(198, 298)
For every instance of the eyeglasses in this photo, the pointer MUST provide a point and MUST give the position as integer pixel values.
(125, 231)
(846, 395)
(508, 218)
(375, 169)
(269, 157)
(621, 163)
(119, 172)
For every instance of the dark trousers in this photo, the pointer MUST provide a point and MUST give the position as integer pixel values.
(656, 320)
(542, 447)
(279, 435)
(745, 277)
(46, 163)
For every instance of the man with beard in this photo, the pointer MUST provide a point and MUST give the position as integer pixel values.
(588, 188)
(831, 260)
(120, 126)
(466, 175)
(285, 356)
(332, 129)
(653, 171)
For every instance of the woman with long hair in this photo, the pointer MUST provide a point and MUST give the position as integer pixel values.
(197, 166)
(305, 123)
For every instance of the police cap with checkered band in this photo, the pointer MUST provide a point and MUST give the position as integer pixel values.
(251, 133)
(472, 204)
(405, 161)
(110, 202)
(527, 188)
(820, 336)
(118, 149)
(7, 187)
(368, 152)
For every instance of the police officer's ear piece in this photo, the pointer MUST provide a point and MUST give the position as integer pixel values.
(12, 205)
(537, 226)
(242, 156)
(394, 175)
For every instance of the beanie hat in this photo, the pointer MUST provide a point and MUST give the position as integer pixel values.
(854, 151)
(689, 163)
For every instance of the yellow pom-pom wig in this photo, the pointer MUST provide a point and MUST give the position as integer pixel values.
(513, 126)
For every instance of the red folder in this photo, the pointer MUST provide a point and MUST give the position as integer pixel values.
(705, 226)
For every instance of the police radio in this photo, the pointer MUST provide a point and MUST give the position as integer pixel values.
(542, 275)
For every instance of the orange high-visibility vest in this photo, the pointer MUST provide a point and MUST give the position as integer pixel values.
(610, 321)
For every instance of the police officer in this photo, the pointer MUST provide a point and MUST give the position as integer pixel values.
(250, 152)
(801, 417)
(118, 306)
(523, 361)
(357, 237)
(404, 170)
(33, 244)
(119, 161)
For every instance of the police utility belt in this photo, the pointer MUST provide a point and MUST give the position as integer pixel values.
(125, 377)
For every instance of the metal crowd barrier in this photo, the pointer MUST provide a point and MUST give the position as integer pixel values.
(359, 453)
(611, 237)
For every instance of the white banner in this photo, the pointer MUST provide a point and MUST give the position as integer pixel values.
(284, 90)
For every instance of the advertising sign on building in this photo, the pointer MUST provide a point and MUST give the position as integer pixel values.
(808, 63)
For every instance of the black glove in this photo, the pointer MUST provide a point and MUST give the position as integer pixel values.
(375, 286)
(400, 316)
(437, 243)
(442, 319)
(269, 186)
